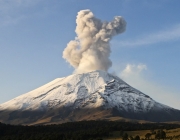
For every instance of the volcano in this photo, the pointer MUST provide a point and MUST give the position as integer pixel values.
(96, 95)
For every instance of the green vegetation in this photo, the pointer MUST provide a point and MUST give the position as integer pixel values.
(88, 130)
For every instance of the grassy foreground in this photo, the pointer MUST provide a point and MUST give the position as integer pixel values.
(172, 134)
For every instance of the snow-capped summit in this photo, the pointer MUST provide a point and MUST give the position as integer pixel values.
(82, 96)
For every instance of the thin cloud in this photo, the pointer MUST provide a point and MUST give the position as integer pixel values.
(171, 34)
(135, 75)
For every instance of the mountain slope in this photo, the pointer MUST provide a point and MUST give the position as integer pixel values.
(94, 95)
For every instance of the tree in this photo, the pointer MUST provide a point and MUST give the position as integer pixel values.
(125, 136)
(137, 138)
(148, 135)
(163, 134)
(131, 138)
(121, 133)
(160, 134)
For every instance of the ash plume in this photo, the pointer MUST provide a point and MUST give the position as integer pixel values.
(91, 49)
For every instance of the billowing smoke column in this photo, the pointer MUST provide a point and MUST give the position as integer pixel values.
(91, 50)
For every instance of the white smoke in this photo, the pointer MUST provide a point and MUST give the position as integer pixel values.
(91, 50)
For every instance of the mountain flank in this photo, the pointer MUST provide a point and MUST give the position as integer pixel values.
(96, 95)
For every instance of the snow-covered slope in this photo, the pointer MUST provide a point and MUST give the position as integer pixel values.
(92, 90)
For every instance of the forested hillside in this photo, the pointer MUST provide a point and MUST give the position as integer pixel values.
(83, 130)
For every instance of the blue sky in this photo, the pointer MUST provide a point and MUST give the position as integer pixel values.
(34, 33)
